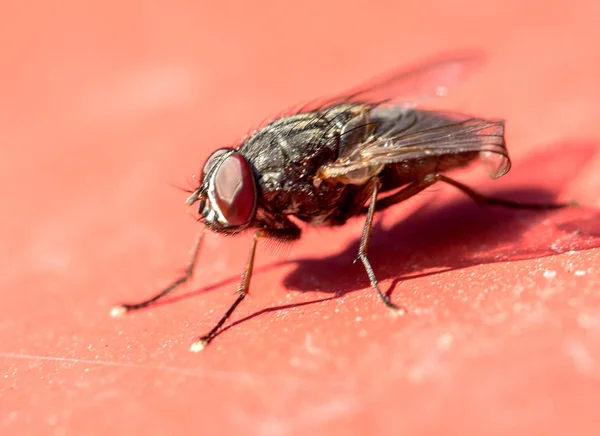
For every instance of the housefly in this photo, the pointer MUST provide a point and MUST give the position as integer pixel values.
(351, 155)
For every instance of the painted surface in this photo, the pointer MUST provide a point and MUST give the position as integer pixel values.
(102, 106)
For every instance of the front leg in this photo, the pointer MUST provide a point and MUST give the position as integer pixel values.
(289, 233)
(189, 270)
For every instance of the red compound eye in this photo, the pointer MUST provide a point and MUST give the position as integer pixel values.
(212, 160)
(235, 190)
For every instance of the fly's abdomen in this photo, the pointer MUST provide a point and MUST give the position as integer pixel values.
(399, 174)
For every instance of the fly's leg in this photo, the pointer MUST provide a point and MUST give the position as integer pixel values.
(286, 234)
(484, 199)
(202, 342)
(416, 187)
(409, 191)
(405, 193)
(364, 247)
(189, 270)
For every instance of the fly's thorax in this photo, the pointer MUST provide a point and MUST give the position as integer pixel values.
(286, 156)
(287, 153)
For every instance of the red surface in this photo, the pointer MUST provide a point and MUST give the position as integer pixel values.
(101, 106)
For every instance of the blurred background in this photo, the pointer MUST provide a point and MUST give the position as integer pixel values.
(104, 104)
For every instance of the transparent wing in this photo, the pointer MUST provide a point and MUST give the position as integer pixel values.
(426, 134)
(425, 80)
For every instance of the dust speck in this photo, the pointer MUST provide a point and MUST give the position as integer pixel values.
(444, 342)
(587, 321)
(581, 357)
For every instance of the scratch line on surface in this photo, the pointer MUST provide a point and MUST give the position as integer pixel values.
(246, 378)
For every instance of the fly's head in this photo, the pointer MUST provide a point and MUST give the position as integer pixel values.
(227, 195)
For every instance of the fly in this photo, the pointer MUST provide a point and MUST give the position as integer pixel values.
(352, 155)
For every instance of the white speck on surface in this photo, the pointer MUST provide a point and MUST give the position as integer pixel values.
(310, 346)
(198, 346)
(580, 273)
(519, 289)
(549, 274)
(580, 356)
(399, 312)
(117, 311)
(358, 319)
(445, 341)
(587, 321)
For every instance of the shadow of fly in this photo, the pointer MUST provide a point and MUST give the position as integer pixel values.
(351, 155)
